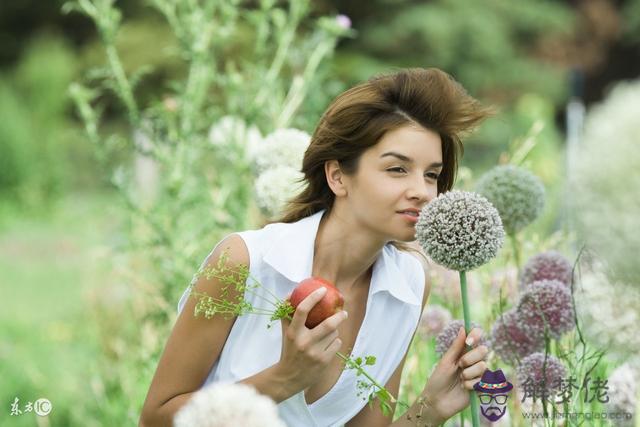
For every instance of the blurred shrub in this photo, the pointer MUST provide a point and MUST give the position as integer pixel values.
(34, 136)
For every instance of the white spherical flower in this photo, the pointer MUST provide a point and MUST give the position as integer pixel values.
(274, 187)
(623, 393)
(606, 177)
(228, 405)
(608, 313)
(232, 130)
(460, 230)
(283, 147)
(515, 192)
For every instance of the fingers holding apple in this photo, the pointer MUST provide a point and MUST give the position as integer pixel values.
(316, 305)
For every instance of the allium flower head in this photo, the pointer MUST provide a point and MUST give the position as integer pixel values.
(449, 334)
(549, 265)
(516, 193)
(604, 179)
(511, 338)
(460, 230)
(274, 187)
(609, 315)
(623, 393)
(433, 320)
(539, 374)
(551, 299)
(232, 130)
(228, 405)
(283, 147)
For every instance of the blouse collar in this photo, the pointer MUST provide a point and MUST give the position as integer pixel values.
(291, 254)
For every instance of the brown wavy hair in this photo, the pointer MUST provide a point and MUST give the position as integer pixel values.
(358, 118)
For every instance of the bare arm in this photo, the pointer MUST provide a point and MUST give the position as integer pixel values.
(194, 346)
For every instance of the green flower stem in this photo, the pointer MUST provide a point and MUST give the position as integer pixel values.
(382, 394)
(515, 247)
(350, 363)
(125, 91)
(467, 326)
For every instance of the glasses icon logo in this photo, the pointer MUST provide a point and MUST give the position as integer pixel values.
(493, 391)
(486, 399)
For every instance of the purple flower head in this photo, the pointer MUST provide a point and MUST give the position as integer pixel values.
(549, 265)
(541, 375)
(449, 334)
(433, 321)
(343, 21)
(548, 300)
(511, 338)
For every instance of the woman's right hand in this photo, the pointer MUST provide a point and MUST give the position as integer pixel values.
(306, 353)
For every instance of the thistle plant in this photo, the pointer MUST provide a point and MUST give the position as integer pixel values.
(202, 189)
(517, 194)
(185, 126)
(461, 231)
(240, 279)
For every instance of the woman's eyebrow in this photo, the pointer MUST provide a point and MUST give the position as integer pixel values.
(407, 159)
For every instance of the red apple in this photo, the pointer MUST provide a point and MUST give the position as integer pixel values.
(331, 303)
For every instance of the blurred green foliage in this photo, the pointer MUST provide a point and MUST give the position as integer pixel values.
(33, 167)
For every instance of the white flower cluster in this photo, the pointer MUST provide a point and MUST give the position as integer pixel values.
(606, 177)
(460, 230)
(274, 187)
(277, 163)
(516, 193)
(623, 393)
(609, 314)
(228, 405)
(283, 147)
(231, 131)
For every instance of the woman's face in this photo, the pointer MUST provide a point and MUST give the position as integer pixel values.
(398, 173)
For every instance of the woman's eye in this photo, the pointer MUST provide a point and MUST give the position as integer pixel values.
(431, 175)
(398, 169)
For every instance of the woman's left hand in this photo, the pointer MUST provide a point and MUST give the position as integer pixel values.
(448, 387)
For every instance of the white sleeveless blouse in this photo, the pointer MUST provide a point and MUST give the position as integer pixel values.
(281, 255)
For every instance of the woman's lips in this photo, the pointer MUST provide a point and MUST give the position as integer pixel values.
(412, 218)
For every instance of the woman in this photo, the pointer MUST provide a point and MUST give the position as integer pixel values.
(381, 151)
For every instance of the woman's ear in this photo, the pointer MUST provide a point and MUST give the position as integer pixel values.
(335, 178)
